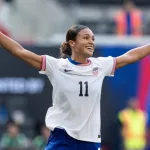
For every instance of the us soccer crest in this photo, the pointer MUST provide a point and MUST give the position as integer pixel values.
(95, 71)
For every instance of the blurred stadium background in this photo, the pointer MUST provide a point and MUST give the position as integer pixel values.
(40, 26)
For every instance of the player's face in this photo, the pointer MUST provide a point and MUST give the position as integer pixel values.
(84, 43)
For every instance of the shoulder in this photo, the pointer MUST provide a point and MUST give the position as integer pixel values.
(102, 60)
(51, 58)
(124, 112)
(52, 61)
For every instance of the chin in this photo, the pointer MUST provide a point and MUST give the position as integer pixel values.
(89, 54)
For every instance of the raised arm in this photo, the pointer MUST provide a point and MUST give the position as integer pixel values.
(132, 56)
(17, 50)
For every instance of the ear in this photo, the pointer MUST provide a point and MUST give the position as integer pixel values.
(71, 43)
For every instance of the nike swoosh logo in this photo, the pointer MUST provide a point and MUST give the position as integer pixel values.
(67, 70)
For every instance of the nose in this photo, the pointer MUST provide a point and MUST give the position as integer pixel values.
(91, 42)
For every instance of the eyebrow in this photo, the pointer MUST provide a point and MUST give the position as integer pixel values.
(89, 34)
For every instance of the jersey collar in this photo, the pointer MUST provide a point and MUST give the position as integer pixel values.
(74, 62)
(78, 63)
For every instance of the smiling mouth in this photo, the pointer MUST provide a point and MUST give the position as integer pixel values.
(90, 48)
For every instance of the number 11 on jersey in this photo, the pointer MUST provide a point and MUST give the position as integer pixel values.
(81, 89)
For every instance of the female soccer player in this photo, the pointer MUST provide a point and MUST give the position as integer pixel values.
(74, 118)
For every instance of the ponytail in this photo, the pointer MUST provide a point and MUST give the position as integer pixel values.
(65, 50)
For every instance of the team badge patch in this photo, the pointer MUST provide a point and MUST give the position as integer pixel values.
(95, 71)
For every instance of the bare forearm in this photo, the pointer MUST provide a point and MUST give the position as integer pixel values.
(133, 56)
(139, 53)
(17, 50)
(9, 45)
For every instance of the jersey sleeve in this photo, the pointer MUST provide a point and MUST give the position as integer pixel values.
(108, 65)
(48, 65)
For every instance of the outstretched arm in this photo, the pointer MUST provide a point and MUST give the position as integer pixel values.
(132, 56)
(17, 50)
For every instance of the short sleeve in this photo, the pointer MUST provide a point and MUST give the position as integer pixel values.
(108, 64)
(48, 65)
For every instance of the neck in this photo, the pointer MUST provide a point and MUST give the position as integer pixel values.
(80, 59)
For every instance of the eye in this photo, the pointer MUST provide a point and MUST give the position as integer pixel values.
(93, 38)
(85, 38)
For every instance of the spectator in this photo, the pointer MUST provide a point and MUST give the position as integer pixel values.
(40, 141)
(129, 20)
(13, 139)
(133, 121)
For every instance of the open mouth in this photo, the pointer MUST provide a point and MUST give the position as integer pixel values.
(89, 48)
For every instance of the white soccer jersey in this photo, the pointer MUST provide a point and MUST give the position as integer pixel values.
(76, 95)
